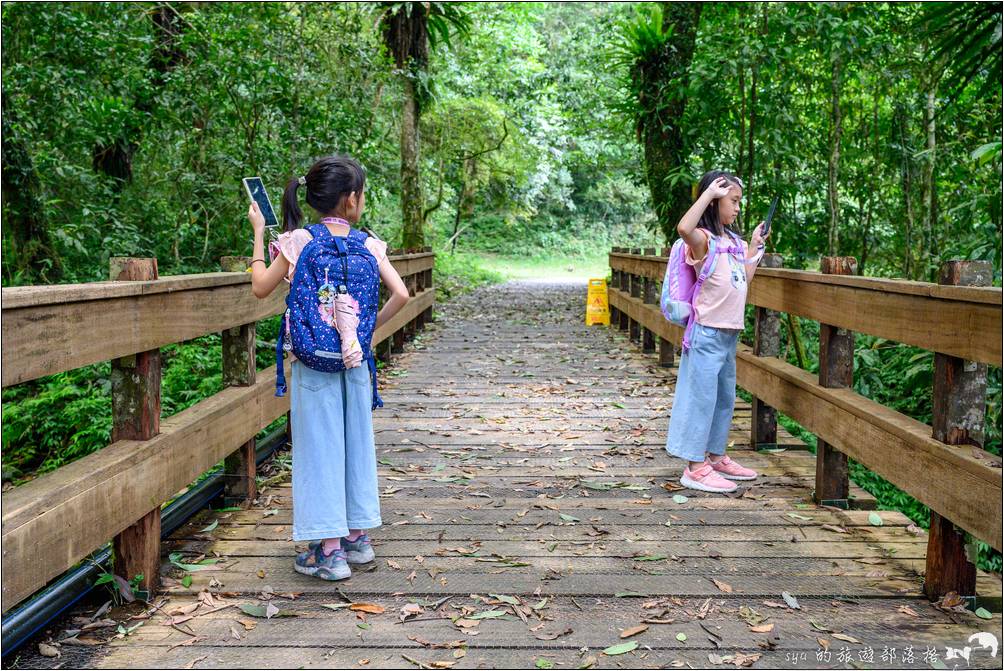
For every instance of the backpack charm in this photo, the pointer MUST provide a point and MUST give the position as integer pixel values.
(326, 301)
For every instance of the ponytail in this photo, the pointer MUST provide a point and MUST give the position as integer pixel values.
(292, 215)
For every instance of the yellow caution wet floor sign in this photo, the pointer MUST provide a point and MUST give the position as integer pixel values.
(597, 307)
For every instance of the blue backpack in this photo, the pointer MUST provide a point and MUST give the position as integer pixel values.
(329, 263)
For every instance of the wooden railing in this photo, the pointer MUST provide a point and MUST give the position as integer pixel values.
(51, 523)
(944, 466)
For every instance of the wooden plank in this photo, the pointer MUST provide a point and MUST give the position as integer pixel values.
(51, 329)
(962, 321)
(68, 513)
(51, 338)
(956, 482)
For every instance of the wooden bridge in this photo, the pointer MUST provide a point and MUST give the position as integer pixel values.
(531, 515)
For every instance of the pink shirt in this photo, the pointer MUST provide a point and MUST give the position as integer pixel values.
(292, 243)
(721, 302)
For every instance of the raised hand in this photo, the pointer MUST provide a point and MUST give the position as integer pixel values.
(256, 218)
(719, 188)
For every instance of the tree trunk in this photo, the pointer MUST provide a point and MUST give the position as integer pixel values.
(413, 234)
(833, 172)
(659, 121)
(31, 255)
(928, 188)
(906, 181)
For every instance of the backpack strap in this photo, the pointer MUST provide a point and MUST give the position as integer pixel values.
(709, 267)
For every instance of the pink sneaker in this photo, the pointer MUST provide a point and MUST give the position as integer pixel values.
(706, 479)
(731, 470)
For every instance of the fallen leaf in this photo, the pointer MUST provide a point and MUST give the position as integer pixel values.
(47, 650)
(542, 663)
(620, 648)
(681, 637)
(631, 631)
(834, 528)
(763, 628)
(191, 664)
(723, 586)
(790, 600)
(679, 498)
(367, 608)
(568, 518)
(983, 613)
(823, 643)
(553, 636)
(211, 527)
(846, 637)
(874, 519)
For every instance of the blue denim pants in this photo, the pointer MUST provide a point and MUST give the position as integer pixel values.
(334, 456)
(705, 395)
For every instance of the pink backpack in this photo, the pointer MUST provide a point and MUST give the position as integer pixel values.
(681, 284)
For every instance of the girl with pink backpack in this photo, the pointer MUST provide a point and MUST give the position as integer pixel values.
(705, 291)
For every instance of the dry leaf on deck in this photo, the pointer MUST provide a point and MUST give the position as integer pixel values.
(631, 631)
(723, 586)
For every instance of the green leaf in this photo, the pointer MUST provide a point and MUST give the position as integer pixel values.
(485, 615)
(874, 519)
(542, 663)
(790, 600)
(984, 613)
(620, 648)
(211, 527)
(187, 580)
(679, 498)
(568, 518)
(619, 405)
(681, 637)
(800, 517)
(363, 625)
(505, 598)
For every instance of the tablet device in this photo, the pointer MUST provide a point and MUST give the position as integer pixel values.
(256, 192)
(770, 216)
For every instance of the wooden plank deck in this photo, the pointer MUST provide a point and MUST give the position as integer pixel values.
(528, 512)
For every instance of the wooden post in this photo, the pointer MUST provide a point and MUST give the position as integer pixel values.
(410, 281)
(427, 314)
(624, 284)
(615, 314)
(650, 296)
(836, 370)
(240, 467)
(665, 346)
(634, 286)
(419, 288)
(960, 392)
(135, 383)
(766, 342)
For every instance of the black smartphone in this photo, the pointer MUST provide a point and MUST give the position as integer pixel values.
(770, 216)
(256, 192)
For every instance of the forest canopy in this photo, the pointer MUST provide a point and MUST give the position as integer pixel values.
(538, 128)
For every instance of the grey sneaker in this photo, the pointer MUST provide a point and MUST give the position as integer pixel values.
(326, 567)
(359, 551)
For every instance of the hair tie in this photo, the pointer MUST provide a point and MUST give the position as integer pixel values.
(301, 180)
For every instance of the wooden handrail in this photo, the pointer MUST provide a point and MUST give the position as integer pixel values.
(962, 321)
(958, 481)
(50, 329)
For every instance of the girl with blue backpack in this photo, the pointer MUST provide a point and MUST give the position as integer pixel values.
(705, 291)
(334, 271)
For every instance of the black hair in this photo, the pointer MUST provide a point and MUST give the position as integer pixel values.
(328, 182)
(710, 220)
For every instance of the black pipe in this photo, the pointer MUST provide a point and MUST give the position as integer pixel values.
(44, 606)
